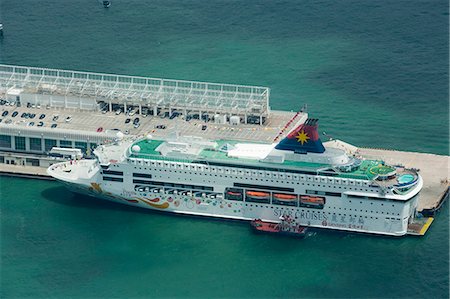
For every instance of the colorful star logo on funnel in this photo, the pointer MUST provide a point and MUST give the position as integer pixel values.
(302, 137)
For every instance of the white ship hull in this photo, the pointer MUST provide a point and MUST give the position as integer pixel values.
(367, 215)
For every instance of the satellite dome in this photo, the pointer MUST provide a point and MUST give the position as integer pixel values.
(136, 148)
(119, 135)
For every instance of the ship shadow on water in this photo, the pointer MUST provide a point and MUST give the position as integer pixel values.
(61, 195)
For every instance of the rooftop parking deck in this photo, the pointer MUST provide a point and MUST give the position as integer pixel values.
(94, 121)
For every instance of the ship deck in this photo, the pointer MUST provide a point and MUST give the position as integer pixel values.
(148, 151)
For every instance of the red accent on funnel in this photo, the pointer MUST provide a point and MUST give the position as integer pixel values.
(309, 127)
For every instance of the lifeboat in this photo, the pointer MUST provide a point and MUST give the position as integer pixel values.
(258, 194)
(312, 200)
(284, 197)
(234, 193)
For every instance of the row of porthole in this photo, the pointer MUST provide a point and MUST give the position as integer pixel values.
(367, 211)
(266, 180)
(329, 213)
(216, 175)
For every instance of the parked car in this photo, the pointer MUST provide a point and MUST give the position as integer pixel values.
(68, 119)
(136, 120)
(14, 114)
(53, 126)
(161, 127)
(32, 115)
(5, 113)
(42, 116)
(31, 123)
(55, 117)
(174, 114)
(137, 125)
(127, 120)
(118, 111)
(100, 129)
(40, 124)
(204, 127)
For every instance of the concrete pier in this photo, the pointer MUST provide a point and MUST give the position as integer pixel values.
(25, 171)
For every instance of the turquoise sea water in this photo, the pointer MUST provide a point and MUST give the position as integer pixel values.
(374, 72)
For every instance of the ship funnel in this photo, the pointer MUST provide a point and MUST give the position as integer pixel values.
(303, 139)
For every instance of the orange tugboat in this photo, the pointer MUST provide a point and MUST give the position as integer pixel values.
(285, 227)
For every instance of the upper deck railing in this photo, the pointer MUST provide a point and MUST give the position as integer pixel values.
(139, 90)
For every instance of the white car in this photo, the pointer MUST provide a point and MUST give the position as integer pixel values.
(118, 112)
(132, 112)
(68, 119)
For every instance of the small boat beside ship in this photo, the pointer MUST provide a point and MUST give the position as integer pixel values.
(285, 227)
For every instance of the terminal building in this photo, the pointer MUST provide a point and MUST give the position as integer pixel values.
(64, 90)
(85, 90)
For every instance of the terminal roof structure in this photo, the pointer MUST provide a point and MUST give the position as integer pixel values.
(152, 92)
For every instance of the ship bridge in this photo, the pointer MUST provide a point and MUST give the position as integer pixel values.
(157, 96)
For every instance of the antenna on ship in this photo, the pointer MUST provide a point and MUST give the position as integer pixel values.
(328, 136)
(304, 108)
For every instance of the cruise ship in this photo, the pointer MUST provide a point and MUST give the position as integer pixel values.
(315, 185)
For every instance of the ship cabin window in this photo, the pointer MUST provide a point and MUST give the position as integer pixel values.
(142, 175)
(234, 194)
(251, 186)
(112, 172)
(112, 179)
(309, 201)
(323, 193)
(257, 196)
(284, 199)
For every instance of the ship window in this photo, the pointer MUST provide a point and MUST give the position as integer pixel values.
(264, 187)
(112, 172)
(142, 175)
(113, 179)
